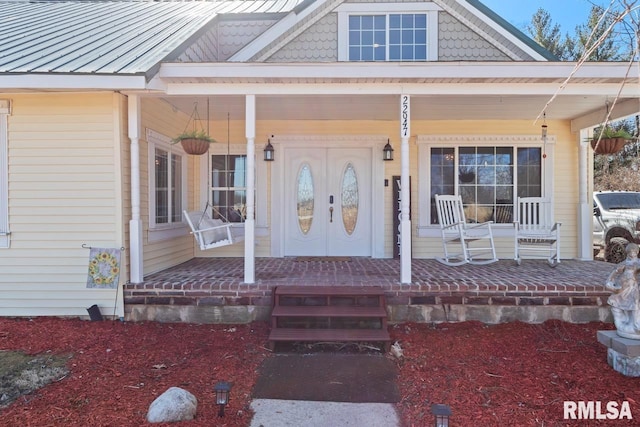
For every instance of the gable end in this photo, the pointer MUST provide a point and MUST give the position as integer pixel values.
(462, 36)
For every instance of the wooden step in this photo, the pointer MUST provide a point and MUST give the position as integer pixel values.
(327, 311)
(360, 310)
(303, 291)
(351, 335)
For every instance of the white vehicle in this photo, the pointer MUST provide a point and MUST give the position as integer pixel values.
(616, 222)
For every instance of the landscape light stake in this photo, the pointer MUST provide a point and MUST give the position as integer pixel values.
(222, 390)
(441, 414)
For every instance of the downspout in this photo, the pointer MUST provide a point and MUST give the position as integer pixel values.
(585, 209)
(405, 192)
(250, 222)
(135, 223)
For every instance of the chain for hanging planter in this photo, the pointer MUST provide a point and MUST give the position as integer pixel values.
(194, 139)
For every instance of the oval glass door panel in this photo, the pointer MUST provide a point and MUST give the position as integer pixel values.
(305, 198)
(349, 199)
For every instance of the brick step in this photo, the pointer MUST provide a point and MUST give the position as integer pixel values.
(327, 311)
(296, 334)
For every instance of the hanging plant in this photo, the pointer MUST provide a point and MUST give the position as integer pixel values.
(466, 174)
(609, 141)
(195, 141)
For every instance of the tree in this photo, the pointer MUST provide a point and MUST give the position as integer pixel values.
(600, 36)
(597, 33)
(546, 33)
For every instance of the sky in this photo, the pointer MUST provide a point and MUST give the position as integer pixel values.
(567, 13)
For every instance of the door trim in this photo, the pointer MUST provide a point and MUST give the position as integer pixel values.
(373, 142)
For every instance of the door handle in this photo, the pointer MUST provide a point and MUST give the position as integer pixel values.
(331, 214)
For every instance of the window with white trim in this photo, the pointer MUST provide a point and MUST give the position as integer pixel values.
(229, 187)
(488, 176)
(4, 174)
(167, 182)
(387, 32)
(393, 37)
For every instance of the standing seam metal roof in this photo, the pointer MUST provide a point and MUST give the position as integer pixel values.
(107, 37)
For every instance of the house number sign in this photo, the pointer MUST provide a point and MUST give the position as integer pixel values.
(405, 113)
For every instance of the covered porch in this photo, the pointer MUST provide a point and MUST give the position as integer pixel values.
(327, 109)
(212, 290)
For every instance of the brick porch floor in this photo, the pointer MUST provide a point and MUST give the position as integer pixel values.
(218, 282)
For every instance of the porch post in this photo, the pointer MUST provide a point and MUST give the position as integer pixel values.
(405, 220)
(250, 222)
(585, 209)
(136, 275)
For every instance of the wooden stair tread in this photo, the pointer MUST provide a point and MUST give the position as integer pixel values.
(328, 310)
(301, 334)
(329, 290)
(284, 315)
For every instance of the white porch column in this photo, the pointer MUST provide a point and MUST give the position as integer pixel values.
(585, 209)
(135, 224)
(405, 192)
(250, 222)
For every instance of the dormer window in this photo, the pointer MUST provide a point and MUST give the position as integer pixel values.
(387, 32)
(393, 37)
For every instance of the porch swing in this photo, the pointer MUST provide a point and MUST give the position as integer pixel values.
(213, 231)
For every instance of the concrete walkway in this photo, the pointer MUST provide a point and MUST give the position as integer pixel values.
(326, 389)
(301, 413)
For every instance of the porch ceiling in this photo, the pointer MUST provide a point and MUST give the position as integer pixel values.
(439, 91)
(386, 107)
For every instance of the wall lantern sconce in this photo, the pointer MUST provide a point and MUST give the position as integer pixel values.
(269, 152)
(222, 390)
(441, 414)
(387, 152)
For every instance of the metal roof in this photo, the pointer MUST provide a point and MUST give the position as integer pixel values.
(107, 37)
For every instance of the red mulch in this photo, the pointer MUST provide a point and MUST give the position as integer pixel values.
(118, 369)
(511, 374)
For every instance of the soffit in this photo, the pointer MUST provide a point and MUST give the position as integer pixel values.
(386, 107)
(439, 91)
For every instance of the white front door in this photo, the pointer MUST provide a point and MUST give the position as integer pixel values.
(327, 202)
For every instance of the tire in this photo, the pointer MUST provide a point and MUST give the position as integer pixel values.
(616, 250)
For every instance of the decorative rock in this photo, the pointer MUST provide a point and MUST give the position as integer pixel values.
(175, 404)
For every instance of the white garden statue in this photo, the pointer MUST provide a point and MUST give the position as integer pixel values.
(624, 302)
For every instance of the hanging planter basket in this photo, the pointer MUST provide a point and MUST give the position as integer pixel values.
(608, 145)
(466, 175)
(195, 146)
(195, 141)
